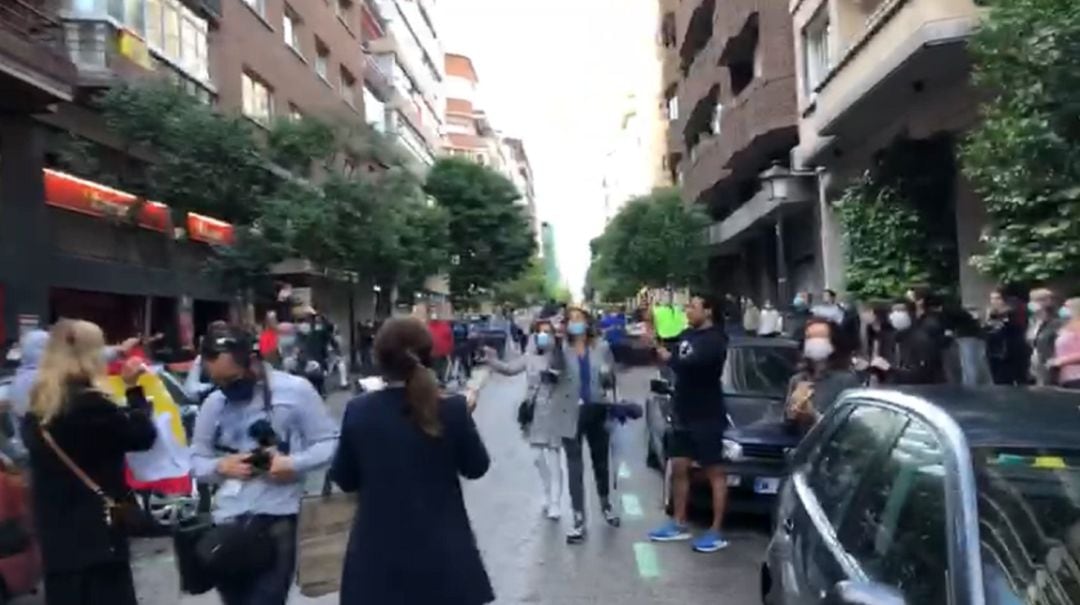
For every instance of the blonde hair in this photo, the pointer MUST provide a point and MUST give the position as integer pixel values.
(74, 354)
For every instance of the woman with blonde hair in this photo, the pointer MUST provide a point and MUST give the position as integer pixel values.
(77, 437)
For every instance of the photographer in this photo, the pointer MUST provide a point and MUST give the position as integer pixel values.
(256, 436)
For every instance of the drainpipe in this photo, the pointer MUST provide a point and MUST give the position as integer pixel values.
(824, 231)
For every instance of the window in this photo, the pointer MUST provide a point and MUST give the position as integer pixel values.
(322, 59)
(848, 454)
(180, 35)
(259, 6)
(348, 87)
(290, 26)
(896, 530)
(817, 57)
(294, 113)
(257, 101)
(374, 110)
(343, 8)
(717, 118)
(673, 108)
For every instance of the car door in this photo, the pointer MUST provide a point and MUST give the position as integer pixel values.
(896, 529)
(823, 487)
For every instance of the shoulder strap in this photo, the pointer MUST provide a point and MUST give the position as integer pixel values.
(74, 468)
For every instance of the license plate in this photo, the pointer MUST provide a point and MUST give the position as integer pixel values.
(766, 485)
(734, 481)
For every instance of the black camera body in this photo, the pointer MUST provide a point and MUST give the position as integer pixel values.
(262, 432)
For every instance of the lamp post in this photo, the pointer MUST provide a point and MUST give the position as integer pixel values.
(776, 183)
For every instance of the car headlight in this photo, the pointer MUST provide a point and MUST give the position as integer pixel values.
(732, 451)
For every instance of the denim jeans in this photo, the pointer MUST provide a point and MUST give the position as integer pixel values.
(272, 586)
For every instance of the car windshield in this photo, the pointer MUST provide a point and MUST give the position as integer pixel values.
(759, 370)
(1029, 525)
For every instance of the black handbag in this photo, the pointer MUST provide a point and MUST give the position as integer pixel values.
(241, 549)
(194, 578)
(525, 412)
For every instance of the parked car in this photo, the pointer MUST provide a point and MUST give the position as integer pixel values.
(932, 495)
(754, 382)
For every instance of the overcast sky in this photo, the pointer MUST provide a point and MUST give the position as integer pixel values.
(556, 73)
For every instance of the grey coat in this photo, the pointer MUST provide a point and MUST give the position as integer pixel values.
(556, 414)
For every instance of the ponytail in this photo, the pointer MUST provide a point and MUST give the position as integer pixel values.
(422, 396)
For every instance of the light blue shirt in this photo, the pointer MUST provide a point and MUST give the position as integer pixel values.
(299, 417)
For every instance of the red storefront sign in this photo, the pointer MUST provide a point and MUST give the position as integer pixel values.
(87, 197)
(209, 230)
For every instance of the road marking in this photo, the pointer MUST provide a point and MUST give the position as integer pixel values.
(624, 471)
(648, 565)
(631, 505)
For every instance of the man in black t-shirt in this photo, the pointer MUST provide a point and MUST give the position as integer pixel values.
(700, 418)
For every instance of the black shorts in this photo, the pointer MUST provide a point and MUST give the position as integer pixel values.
(701, 442)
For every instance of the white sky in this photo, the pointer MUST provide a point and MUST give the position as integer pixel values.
(556, 73)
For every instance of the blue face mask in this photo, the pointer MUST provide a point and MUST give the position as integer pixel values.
(240, 390)
(575, 328)
(799, 303)
(543, 340)
(1034, 307)
(1064, 313)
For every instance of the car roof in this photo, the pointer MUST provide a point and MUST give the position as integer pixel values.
(762, 341)
(1000, 416)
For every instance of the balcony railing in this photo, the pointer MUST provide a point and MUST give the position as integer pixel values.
(34, 20)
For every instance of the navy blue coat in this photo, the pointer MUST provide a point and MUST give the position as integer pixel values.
(411, 542)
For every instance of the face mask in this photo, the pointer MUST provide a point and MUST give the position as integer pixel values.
(304, 328)
(1064, 313)
(287, 341)
(799, 303)
(239, 390)
(575, 328)
(900, 320)
(1034, 307)
(543, 340)
(817, 349)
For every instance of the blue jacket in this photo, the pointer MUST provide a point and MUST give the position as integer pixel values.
(411, 541)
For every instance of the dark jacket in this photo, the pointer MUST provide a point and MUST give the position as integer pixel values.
(1007, 349)
(95, 433)
(920, 353)
(411, 540)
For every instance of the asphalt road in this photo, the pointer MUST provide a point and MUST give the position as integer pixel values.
(526, 555)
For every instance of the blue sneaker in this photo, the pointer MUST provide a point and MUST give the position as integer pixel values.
(710, 541)
(670, 532)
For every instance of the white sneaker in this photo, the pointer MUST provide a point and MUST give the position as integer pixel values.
(553, 511)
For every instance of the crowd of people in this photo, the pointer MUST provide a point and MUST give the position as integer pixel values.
(263, 426)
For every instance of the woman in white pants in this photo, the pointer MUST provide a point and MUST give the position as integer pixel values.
(542, 435)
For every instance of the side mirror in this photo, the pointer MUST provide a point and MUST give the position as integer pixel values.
(863, 593)
(660, 386)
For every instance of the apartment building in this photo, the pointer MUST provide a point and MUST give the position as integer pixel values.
(520, 172)
(729, 90)
(877, 74)
(404, 79)
(667, 48)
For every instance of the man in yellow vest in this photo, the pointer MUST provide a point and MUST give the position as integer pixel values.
(669, 320)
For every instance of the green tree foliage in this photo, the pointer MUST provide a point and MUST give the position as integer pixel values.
(490, 238)
(1024, 157)
(655, 240)
(529, 288)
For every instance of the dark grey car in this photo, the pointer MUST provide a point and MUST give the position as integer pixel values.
(933, 495)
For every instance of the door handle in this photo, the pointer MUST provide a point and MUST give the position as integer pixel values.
(789, 526)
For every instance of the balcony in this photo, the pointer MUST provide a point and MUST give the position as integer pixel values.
(34, 71)
(376, 74)
(781, 191)
(895, 56)
(698, 32)
(758, 127)
(104, 55)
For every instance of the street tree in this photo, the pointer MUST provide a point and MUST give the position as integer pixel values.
(656, 241)
(489, 236)
(528, 288)
(1024, 156)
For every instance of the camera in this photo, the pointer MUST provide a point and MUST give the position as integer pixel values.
(262, 432)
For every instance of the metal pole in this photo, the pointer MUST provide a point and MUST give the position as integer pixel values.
(781, 261)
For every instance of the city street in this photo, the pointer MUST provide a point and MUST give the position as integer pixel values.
(526, 555)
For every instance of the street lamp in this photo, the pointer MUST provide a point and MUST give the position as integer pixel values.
(776, 183)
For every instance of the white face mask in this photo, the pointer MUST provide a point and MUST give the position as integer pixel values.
(817, 349)
(900, 320)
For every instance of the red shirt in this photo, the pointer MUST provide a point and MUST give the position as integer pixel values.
(268, 343)
(443, 338)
